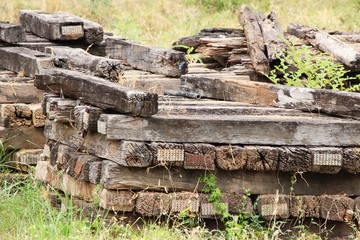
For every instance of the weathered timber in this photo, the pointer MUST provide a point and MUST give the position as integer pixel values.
(336, 103)
(15, 115)
(328, 43)
(25, 61)
(86, 117)
(60, 109)
(351, 160)
(273, 206)
(153, 204)
(305, 206)
(118, 201)
(95, 172)
(182, 201)
(254, 40)
(64, 133)
(165, 179)
(336, 207)
(170, 154)
(19, 92)
(312, 130)
(12, 33)
(44, 171)
(24, 158)
(199, 156)
(167, 62)
(53, 26)
(273, 35)
(98, 92)
(99, 66)
(37, 115)
(23, 137)
(81, 189)
(93, 32)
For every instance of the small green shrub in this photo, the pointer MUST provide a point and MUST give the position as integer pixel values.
(300, 67)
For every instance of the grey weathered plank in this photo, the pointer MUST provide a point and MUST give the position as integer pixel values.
(98, 92)
(123, 201)
(12, 33)
(25, 61)
(13, 91)
(328, 43)
(60, 109)
(312, 130)
(165, 179)
(161, 61)
(53, 26)
(86, 117)
(99, 66)
(336, 103)
(254, 39)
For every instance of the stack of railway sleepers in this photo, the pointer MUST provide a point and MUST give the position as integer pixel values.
(292, 151)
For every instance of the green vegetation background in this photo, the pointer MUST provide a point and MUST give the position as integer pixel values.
(160, 22)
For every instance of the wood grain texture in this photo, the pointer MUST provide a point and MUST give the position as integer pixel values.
(335, 103)
(239, 129)
(80, 59)
(12, 33)
(161, 61)
(25, 61)
(98, 92)
(53, 26)
(164, 179)
(254, 39)
(328, 43)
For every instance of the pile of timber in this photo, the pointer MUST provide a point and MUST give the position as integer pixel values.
(145, 125)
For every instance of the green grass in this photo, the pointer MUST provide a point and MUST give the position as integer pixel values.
(161, 22)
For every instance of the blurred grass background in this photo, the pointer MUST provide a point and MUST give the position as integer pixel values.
(160, 22)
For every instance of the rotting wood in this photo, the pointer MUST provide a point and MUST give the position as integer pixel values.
(117, 201)
(309, 130)
(167, 62)
(199, 156)
(110, 69)
(273, 206)
(165, 179)
(273, 35)
(327, 43)
(15, 115)
(25, 61)
(53, 26)
(12, 33)
(60, 109)
(254, 39)
(153, 204)
(24, 158)
(16, 92)
(37, 115)
(22, 137)
(95, 172)
(336, 103)
(305, 206)
(351, 160)
(336, 207)
(86, 117)
(108, 95)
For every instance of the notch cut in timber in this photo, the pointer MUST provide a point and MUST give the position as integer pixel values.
(53, 26)
(98, 92)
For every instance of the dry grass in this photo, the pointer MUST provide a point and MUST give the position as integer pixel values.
(160, 22)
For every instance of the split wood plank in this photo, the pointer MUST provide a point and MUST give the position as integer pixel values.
(12, 33)
(99, 66)
(239, 129)
(25, 61)
(273, 35)
(60, 109)
(335, 103)
(53, 26)
(254, 39)
(86, 117)
(24, 158)
(327, 43)
(98, 92)
(161, 61)
(165, 179)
